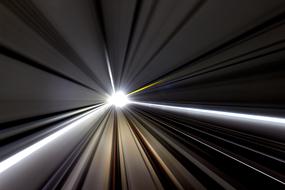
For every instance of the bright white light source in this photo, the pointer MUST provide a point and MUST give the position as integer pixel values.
(118, 99)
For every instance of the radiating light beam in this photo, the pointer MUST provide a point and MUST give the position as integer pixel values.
(16, 158)
(144, 87)
(110, 71)
(250, 117)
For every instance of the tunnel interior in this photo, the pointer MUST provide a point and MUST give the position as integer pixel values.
(142, 94)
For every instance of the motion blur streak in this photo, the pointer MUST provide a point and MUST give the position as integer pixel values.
(142, 94)
(9, 162)
(239, 116)
(144, 87)
(110, 72)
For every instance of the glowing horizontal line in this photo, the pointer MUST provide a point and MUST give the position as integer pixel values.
(215, 112)
(16, 158)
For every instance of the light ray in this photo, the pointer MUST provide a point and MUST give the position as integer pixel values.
(110, 71)
(144, 87)
(16, 158)
(206, 112)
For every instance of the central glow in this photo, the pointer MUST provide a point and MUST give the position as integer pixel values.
(118, 99)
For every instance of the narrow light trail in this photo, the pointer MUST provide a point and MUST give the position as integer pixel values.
(215, 113)
(30, 150)
(144, 87)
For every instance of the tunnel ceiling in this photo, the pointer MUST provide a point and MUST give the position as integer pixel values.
(62, 56)
(198, 52)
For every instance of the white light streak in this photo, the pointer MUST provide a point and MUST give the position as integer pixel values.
(216, 113)
(109, 70)
(16, 158)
